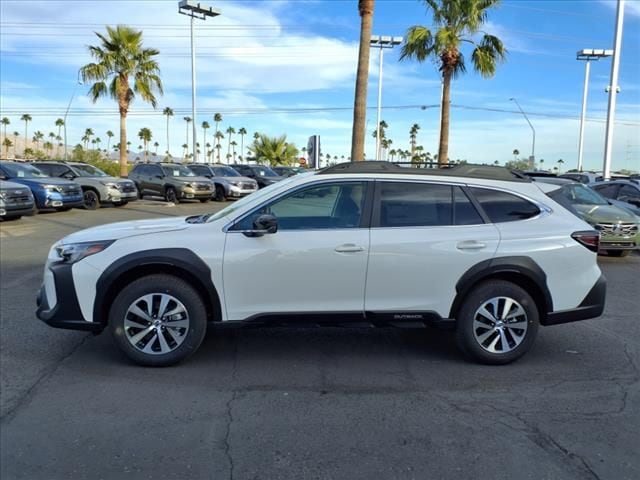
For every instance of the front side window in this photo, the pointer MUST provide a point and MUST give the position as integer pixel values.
(200, 170)
(86, 170)
(326, 206)
(22, 170)
(627, 192)
(504, 207)
(178, 171)
(225, 172)
(404, 204)
(582, 195)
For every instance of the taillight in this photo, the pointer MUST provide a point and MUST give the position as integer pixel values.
(589, 238)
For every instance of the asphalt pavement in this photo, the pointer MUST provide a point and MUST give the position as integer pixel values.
(304, 403)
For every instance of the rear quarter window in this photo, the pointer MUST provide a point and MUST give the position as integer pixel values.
(503, 207)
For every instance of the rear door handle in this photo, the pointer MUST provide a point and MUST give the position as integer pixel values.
(349, 248)
(471, 245)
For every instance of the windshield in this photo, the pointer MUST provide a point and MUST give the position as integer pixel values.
(22, 170)
(583, 195)
(86, 170)
(225, 172)
(264, 172)
(178, 171)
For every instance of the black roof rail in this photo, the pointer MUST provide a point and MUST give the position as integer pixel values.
(488, 172)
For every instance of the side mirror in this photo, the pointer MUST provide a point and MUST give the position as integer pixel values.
(159, 176)
(263, 225)
(69, 176)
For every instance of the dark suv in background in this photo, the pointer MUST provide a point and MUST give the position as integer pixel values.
(97, 186)
(172, 181)
(227, 182)
(261, 174)
(15, 201)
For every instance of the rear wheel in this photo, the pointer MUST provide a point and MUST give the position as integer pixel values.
(91, 200)
(170, 195)
(158, 320)
(497, 323)
(618, 253)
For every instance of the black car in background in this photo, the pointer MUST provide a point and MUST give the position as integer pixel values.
(288, 171)
(622, 192)
(261, 174)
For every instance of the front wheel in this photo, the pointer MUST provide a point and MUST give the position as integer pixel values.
(91, 200)
(158, 320)
(497, 323)
(170, 195)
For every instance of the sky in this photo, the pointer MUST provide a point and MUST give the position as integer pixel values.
(288, 67)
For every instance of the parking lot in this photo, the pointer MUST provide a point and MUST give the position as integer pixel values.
(310, 403)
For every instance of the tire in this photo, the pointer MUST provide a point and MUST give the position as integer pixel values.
(140, 195)
(170, 195)
(120, 204)
(618, 253)
(91, 200)
(485, 345)
(179, 341)
(220, 195)
(203, 200)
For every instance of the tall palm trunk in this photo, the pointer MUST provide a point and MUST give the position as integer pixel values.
(365, 8)
(443, 149)
(204, 139)
(242, 148)
(123, 106)
(26, 122)
(168, 149)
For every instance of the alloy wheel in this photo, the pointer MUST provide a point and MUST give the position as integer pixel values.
(156, 323)
(500, 325)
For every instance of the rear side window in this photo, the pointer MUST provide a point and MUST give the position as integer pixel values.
(464, 213)
(405, 204)
(608, 191)
(504, 207)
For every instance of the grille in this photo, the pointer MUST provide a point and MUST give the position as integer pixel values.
(247, 185)
(70, 190)
(618, 229)
(17, 197)
(203, 186)
(127, 187)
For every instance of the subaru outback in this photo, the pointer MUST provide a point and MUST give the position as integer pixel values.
(172, 181)
(481, 250)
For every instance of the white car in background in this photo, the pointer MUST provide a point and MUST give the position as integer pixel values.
(481, 250)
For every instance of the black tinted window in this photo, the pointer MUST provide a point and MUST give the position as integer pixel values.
(627, 191)
(139, 170)
(608, 191)
(464, 211)
(504, 207)
(414, 205)
(200, 170)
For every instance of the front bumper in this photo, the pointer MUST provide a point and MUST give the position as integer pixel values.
(239, 193)
(196, 194)
(117, 196)
(56, 200)
(592, 306)
(65, 313)
(8, 212)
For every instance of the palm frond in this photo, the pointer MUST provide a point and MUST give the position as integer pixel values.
(418, 44)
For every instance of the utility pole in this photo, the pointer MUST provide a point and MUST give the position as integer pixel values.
(66, 113)
(532, 159)
(613, 91)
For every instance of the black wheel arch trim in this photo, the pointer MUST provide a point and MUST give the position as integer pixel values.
(178, 261)
(516, 268)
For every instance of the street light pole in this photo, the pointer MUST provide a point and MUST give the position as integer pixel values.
(195, 10)
(64, 120)
(533, 145)
(381, 42)
(613, 91)
(588, 55)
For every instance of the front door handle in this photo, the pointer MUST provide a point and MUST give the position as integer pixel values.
(471, 245)
(349, 248)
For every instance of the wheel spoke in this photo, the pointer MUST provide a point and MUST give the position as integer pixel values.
(128, 323)
(492, 346)
(177, 323)
(148, 299)
(506, 308)
(175, 311)
(519, 311)
(487, 314)
(148, 347)
(503, 341)
(138, 312)
(176, 338)
(164, 301)
(508, 322)
(140, 335)
(164, 346)
(481, 338)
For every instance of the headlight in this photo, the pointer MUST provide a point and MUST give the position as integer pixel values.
(188, 185)
(110, 185)
(2, 195)
(74, 252)
(52, 188)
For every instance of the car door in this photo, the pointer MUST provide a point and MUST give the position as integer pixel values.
(424, 237)
(154, 180)
(315, 263)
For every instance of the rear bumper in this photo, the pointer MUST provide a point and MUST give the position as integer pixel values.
(592, 306)
(66, 311)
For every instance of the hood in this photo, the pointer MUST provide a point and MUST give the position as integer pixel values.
(12, 185)
(115, 231)
(272, 179)
(47, 181)
(627, 206)
(604, 214)
(192, 179)
(238, 179)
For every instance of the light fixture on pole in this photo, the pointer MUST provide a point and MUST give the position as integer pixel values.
(64, 120)
(613, 91)
(587, 54)
(381, 42)
(195, 10)
(532, 159)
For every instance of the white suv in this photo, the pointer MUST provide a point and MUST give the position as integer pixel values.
(479, 249)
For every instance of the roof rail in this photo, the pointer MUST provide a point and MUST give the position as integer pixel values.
(488, 172)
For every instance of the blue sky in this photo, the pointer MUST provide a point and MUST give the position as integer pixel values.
(275, 66)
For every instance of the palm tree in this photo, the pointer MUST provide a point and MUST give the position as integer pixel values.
(88, 133)
(541, 163)
(188, 121)
(28, 152)
(365, 9)
(5, 122)
(185, 150)
(392, 154)
(15, 143)
(120, 57)
(217, 118)
(59, 123)
(218, 147)
(413, 137)
(230, 131)
(205, 127)
(458, 21)
(560, 162)
(274, 150)
(98, 141)
(109, 136)
(145, 135)
(156, 145)
(37, 137)
(233, 146)
(6, 143)
(242, 132)
(26, 118)
(516, 152)
(219, 137)
(169, 113)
